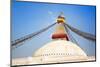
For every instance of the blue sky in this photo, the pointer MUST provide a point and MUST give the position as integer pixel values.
(29, 17)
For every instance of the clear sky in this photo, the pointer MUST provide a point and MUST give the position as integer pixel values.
(29, 17)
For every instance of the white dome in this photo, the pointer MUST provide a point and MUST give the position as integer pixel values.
(60, 50)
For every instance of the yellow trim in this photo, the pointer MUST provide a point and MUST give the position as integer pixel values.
(61, 20)
(60, 28)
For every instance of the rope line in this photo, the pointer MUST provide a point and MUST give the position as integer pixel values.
(83, 34)
(70, 36)
(27, 37)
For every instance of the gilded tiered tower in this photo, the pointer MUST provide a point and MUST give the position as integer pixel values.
(60, 32)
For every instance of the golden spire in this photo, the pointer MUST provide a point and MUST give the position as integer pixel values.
(60, 32)
(61, 18)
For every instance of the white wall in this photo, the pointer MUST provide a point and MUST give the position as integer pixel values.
(87, 2)
(5, 33)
